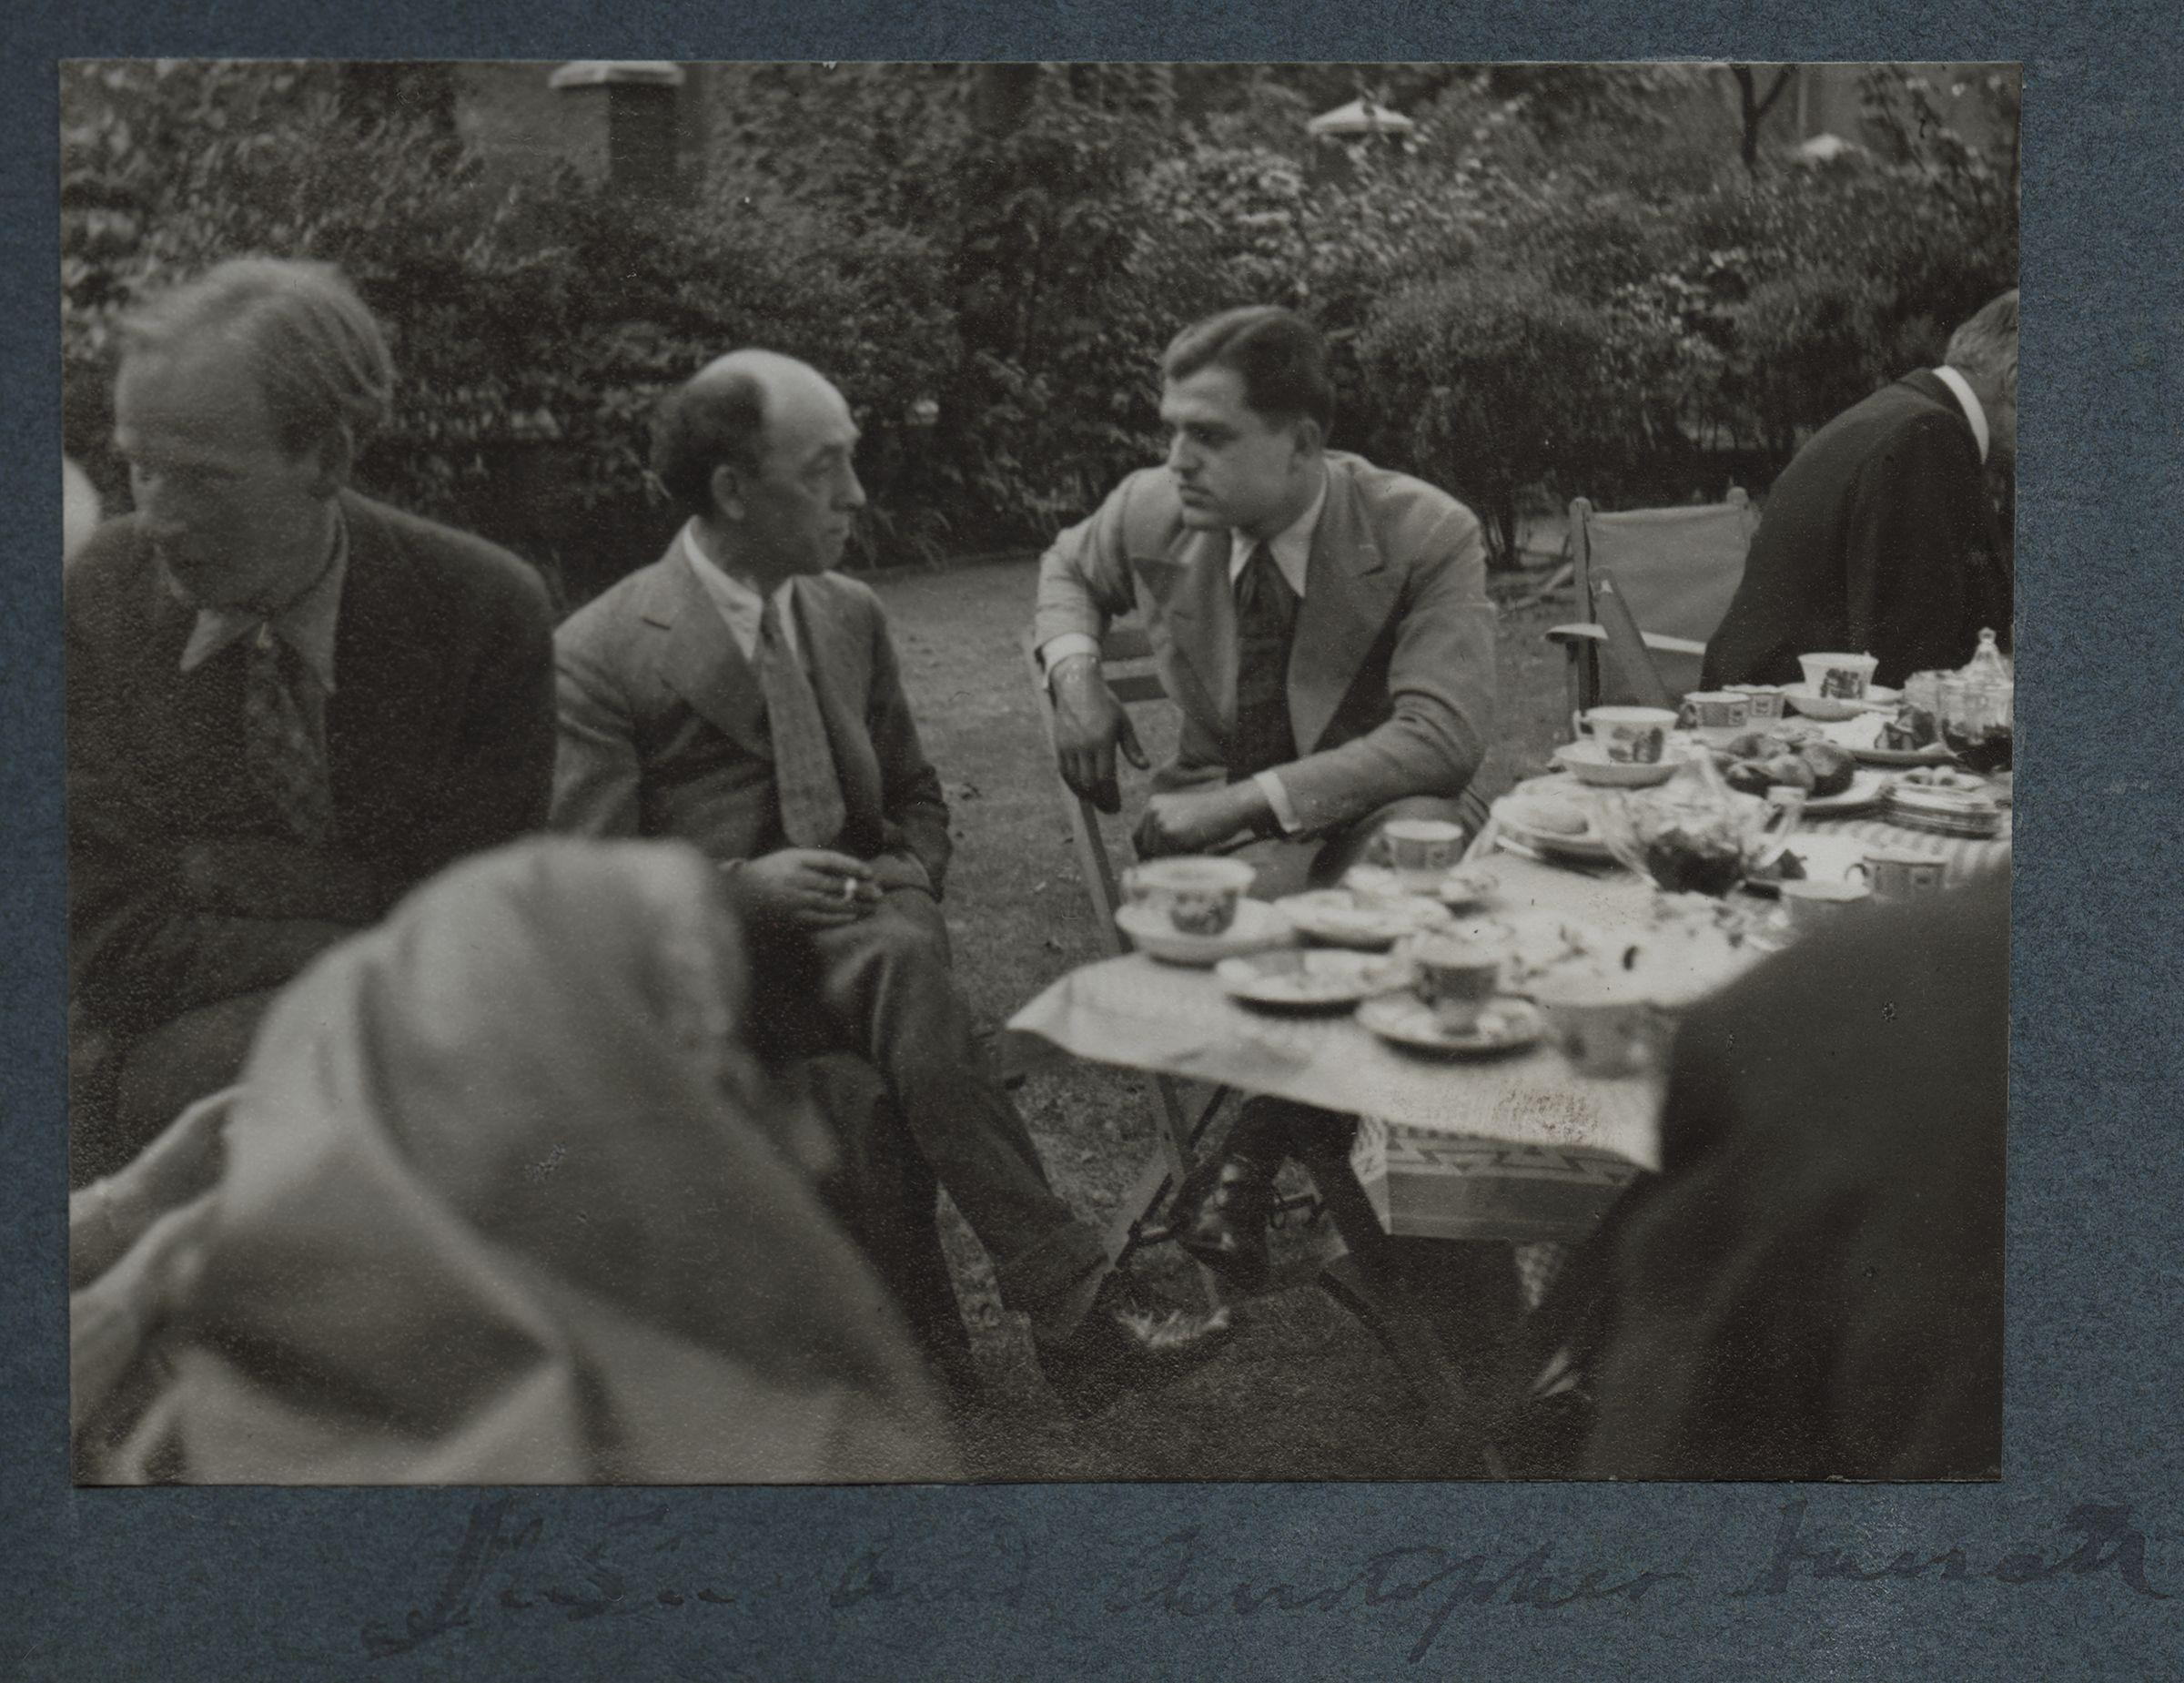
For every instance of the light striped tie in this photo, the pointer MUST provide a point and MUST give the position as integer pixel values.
(805, 781)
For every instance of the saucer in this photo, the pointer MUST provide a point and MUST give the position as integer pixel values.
(1314, 979)
(1257, 927)
(1346, 917)
(1867, 788)
(1808, 701)
(1585, 845)
(1459, 885)
(1824, 859)
(1588, 761)
(1507, 1024)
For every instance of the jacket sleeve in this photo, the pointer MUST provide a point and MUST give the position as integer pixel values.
(1084, 574)
(1915, 535)
(1441, 685)
(500, 783)
(915, 809)
(597, 774)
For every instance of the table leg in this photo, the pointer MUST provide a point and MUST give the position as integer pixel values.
(1374, 1283)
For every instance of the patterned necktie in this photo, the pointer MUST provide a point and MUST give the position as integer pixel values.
(1266, 623)
(805, 779)
(281, 749)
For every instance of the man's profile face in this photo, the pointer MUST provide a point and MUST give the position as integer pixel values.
(236, 517)
(1232, 466)
(798, 509)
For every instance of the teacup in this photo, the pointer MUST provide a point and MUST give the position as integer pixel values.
(1811, 904)
(1893, 874)
(1456, 975)
(1628, 736)
(1716, 715)
(1838, 677)
(1199, 895)
(1765, 699)
(1422, 846)
(1604, 1025)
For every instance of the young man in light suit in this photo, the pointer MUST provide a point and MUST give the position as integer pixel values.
(1324, 628)
(739, 694)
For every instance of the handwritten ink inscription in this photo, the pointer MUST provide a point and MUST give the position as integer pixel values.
(509, 1563)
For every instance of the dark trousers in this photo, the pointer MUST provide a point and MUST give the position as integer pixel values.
(881, 985)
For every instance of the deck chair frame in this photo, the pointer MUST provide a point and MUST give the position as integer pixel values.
(1180, 1123)
(1585, 641)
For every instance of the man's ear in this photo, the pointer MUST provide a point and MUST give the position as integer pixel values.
(1310, 438)
(727, 488)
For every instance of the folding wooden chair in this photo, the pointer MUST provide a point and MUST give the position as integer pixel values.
(1180, 1119)
(1673, 572)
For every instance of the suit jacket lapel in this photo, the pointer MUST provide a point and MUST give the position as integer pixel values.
(1200, 613)
(701, 662)
(1349, 592)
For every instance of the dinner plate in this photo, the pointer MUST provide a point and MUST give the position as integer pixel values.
(1344, 917)
(1826, 859)
(1459, 884)
(1867, 788)
(1257, 927)
(1938, 812)
(1586, 847)
(1507, 1024)
(1814, 705)
(1316, 979)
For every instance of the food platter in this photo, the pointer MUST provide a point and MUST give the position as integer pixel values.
(1868, 789)
(1322, 979)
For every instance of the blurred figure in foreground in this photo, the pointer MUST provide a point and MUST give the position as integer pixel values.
(1812, 1286)
(80, 512)
(507, 1202)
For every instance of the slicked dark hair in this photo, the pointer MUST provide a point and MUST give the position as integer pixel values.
(1278, 354)
(703, 424)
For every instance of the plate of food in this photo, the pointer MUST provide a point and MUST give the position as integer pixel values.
(1459, 884)
(1817, 858)
(1878, 699)
(1311, 979)
(1879, 739)
(1257, 927)
(1506, 1025)
(1348, 917)
(1945, 801)
(1555, 827)
(1797, 757)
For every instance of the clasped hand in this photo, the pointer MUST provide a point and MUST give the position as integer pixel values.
(811, 888)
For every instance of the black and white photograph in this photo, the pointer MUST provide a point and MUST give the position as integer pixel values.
(888, 773)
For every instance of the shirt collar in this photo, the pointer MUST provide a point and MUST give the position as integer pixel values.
(1291, 546)
(306, 623)
(738, 603)
(1968, 402)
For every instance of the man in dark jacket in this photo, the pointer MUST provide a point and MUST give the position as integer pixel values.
(1881, 537)
(287, 704)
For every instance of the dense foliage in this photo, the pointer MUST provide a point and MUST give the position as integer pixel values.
(1565, 280)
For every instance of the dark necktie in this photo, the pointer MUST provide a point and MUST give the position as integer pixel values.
(805, 781)
(281, 749)
(1265, 623)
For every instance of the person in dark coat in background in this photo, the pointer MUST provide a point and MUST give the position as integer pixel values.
(287, 704)
(1811, 1288)
(1881, 536)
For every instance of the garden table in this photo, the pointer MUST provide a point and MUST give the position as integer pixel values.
(1516, 1148)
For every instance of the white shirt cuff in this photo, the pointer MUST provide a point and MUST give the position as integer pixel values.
(1276, 796)
(1056, 649)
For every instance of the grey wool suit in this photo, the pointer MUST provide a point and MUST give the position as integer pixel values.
(663, 732)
